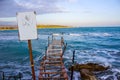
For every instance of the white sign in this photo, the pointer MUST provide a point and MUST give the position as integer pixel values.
(27, 25)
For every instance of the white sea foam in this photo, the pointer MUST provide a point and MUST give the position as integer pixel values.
(109, 52)
(75, 34)
(100, 34)
(25, 59)
(106, 34)
(98, 56)
(116, 70)
(38, 58)
(42, 36)
(16, 68)
(114, 75)
(91, 34)
(66, 57)
(104, 58)
(9, 37)
(105, 77)
(56, 34)
(88, 57)
(76, 75)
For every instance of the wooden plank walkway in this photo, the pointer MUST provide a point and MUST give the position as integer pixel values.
(52, 66)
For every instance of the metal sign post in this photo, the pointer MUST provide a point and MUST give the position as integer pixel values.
(27, 31)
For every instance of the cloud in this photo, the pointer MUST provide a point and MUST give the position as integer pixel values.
(72, 1)
(7, 23)
(32, 4)
(8, 8)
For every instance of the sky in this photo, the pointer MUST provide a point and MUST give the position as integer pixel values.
(64, 12)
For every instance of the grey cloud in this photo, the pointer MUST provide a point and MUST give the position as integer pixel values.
(7, 23)
(8, 8)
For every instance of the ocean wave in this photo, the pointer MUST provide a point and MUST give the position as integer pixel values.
(15, 68)
(42, 36)
(102, 56)
(87, 42)
(56, 34)
(96, 56)
(9, 38)
(91, 34)
(100, 34)
(71, 34)
(112, 74)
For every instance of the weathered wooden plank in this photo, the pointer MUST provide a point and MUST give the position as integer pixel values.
(53, 59)
(59, 68)
(52, 63)
(53, 78)
(54, 46)
(58, 54)
(61, 72)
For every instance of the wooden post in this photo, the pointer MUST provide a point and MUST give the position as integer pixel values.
(31, 59)
(72, 73)
(48, 40)
(72, 65)
(3, 76)
(73, 56)
(52, 37)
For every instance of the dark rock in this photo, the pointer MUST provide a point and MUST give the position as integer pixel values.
(90, 66)
(87, 75)
(86, 70)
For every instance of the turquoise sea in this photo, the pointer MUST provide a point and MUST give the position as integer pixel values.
(91, 44)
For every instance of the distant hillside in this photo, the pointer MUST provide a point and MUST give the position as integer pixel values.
(38, 26)
(51, 26)
(3, 27)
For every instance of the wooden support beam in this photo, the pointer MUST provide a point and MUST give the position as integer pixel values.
(52, 59)
(51, 78)
(52, 68)
(50, 63)
(53, 72)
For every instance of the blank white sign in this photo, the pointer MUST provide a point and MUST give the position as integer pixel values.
(27, 25)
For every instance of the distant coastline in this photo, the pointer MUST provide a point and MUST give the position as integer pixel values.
(9, 27)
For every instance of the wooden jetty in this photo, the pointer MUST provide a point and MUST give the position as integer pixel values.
(52, 66)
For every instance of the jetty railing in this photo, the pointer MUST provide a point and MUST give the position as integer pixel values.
(52, 66)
